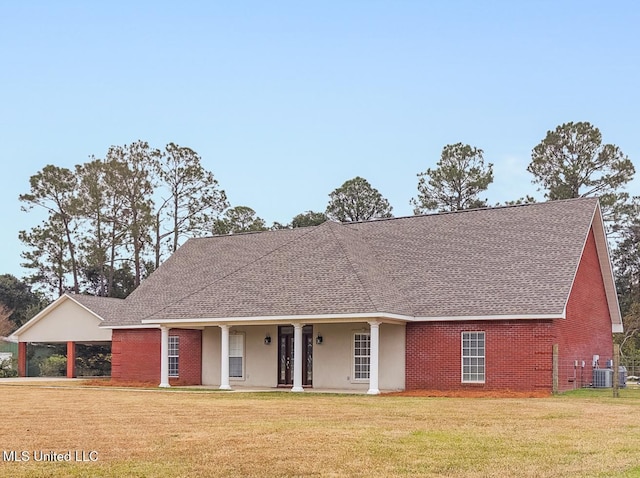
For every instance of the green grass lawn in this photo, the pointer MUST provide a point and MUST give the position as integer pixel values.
(200, 434)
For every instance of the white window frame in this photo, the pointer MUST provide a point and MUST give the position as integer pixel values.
(236, 350)
(361, 369)
(473, 364)
(173, 352)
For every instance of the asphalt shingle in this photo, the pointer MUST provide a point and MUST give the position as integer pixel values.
(517, 260)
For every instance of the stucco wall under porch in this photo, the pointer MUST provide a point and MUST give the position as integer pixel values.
(333, 359)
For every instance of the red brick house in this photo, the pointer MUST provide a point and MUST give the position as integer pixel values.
(476, 299)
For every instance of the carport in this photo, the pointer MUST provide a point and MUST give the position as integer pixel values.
(71, 320)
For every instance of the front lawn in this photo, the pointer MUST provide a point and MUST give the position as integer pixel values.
(180, 433)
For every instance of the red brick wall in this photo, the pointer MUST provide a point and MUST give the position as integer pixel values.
(587, 329)
(135, 356)
(519, 352)
(518, 355)
(190, 362)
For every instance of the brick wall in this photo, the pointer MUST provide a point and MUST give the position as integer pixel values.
(519, 352)
(587, 329)
(190, 362)
(135, 356)
(518, 355)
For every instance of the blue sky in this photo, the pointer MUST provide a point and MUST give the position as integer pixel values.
(285, 101)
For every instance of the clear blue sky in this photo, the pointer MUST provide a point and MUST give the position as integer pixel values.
(285, 101)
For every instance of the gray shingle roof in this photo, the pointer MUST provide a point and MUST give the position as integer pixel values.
(518, 260)
(505, 261)
(105, 307)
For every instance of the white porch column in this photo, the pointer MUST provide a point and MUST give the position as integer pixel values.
(224, 358)
(374, 358)
(297, 358)
(164, 357)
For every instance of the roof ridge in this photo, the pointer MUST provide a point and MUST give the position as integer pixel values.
(355, 270)
(472, 210)
(247, 233)
(235, 271)
(91, 296)
(385, 288)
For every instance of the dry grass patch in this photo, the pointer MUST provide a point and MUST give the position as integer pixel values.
(110, 382)
(470, 394)
(168, 433)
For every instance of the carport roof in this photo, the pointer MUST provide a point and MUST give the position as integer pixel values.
(96, 307)
(103, 307)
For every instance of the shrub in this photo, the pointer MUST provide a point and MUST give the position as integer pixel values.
(7, 368)
(96, 365)
(53, 366)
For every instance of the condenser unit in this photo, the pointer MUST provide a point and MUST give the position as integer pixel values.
(602, 378)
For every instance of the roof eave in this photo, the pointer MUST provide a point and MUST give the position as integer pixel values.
(130, 326)
(475, 318)
(280, 319)
(339, 318)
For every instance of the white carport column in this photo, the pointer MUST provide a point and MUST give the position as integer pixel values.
(224, 358)
(164, 357)
(297, 358)
(374, 358)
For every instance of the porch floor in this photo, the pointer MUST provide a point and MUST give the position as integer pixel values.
(242, 389)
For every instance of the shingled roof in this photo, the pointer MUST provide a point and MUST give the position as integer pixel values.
(494, 262)
(104, 307)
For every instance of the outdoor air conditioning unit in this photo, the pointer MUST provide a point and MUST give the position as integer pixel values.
(602, 378)
(622, 376)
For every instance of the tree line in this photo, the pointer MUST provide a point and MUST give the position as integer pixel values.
(111, 221)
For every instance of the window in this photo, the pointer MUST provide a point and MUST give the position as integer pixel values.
(174, 354)
(361, 355)
(473, 357)
(236, 355)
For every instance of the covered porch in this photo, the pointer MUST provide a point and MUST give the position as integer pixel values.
(356, 353)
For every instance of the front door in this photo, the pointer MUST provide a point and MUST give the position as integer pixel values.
(285, 355)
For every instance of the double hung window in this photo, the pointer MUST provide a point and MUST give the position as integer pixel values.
(174, 355)
(236, 356)
(361, 355)
(473, 357)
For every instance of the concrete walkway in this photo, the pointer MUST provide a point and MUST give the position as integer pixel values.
(24, 380)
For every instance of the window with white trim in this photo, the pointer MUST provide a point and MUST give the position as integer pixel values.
(361, 355)
(174, 355)
(473, 355)
(236, 356)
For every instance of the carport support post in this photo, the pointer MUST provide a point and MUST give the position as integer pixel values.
(224, 358)
(22, 359)
(71, 359)
(164, 357)
(374, 358)
(297, 358)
